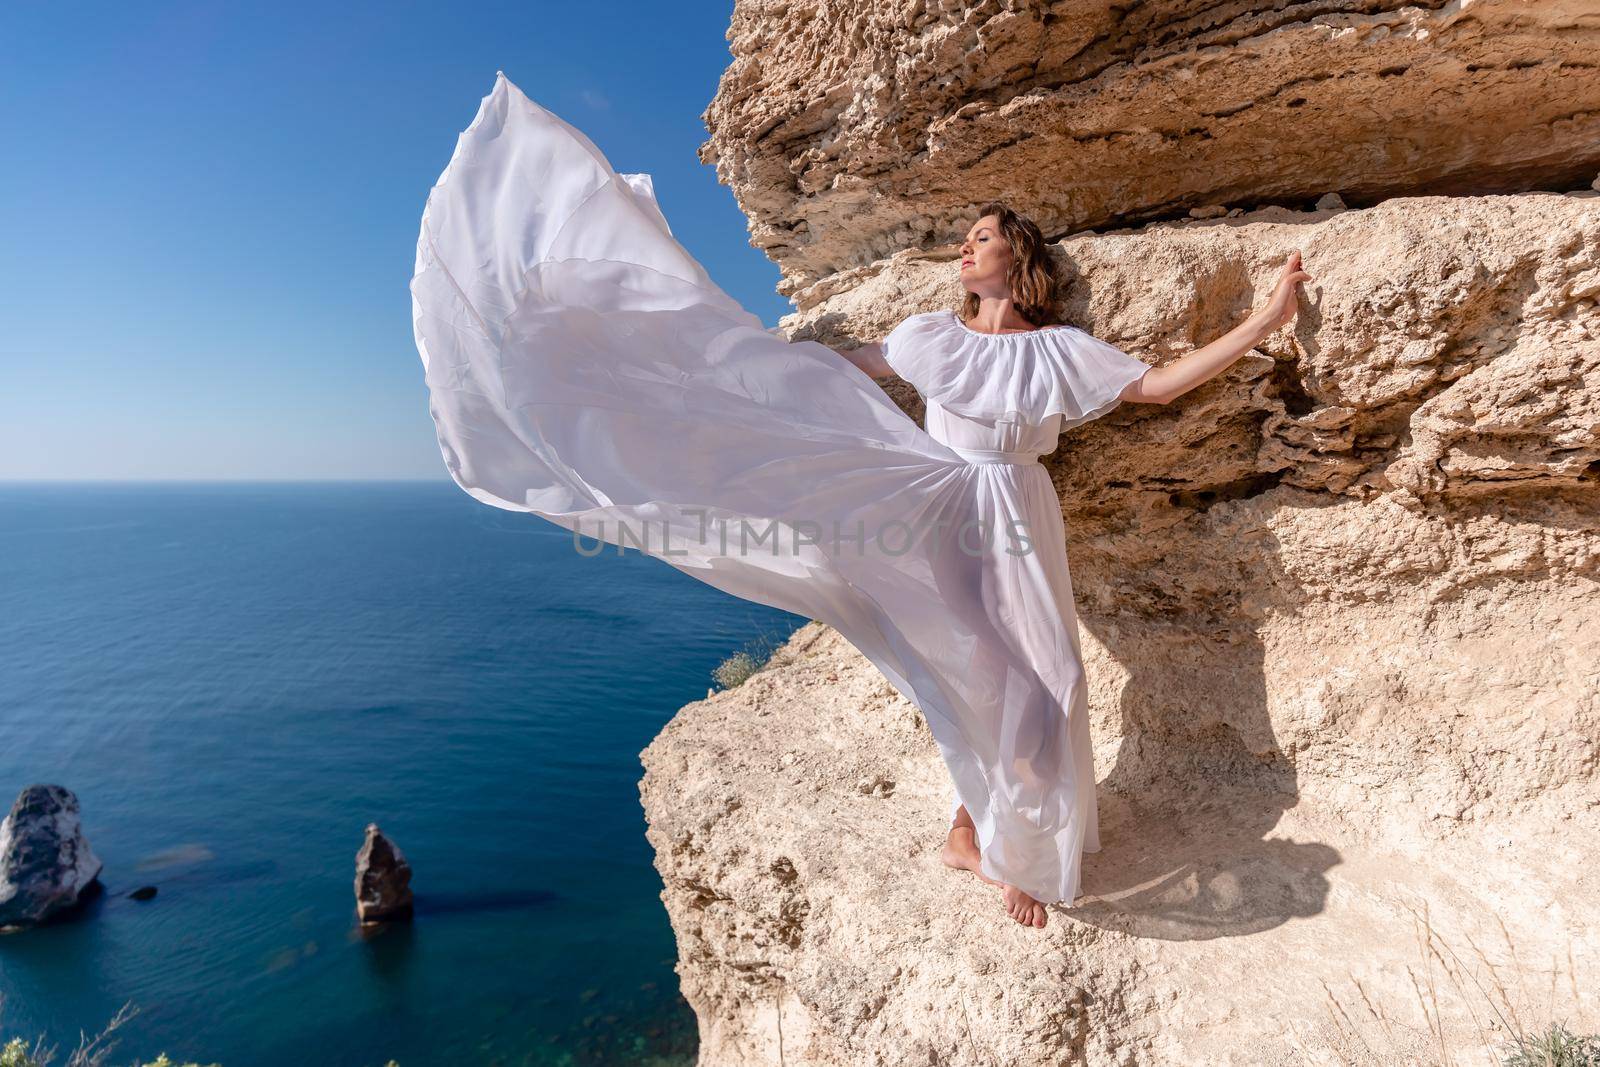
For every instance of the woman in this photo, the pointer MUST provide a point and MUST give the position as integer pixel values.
(1011, 286)
(584, 368)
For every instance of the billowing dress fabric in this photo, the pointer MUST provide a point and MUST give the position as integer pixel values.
(583, 367)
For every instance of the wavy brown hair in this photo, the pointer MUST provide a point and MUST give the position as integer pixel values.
(1034, 277)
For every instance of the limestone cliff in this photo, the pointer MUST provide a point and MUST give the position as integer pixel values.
(1340, 605)
(797, 819)
(852, 129)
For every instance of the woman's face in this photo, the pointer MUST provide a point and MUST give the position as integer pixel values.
(986, 259)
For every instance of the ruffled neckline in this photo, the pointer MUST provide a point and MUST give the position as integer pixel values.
(1028, 376)
(956, 318)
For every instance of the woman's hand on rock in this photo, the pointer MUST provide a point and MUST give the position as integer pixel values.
(1284, 303)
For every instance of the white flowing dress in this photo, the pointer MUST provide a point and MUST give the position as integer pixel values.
(583, 367)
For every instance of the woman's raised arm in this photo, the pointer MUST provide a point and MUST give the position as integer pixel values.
(1166, 383)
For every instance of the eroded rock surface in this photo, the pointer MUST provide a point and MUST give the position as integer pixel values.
(797, 821)
(852, 130)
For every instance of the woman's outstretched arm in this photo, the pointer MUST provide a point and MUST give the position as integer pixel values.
(1166, 383)
(869, 358)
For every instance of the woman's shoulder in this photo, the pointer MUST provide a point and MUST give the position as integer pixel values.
(922, 321)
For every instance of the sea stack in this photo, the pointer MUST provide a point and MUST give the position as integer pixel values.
(46, 865)
(383, 880)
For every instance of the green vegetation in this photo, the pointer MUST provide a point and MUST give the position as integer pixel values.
(737, 668)
(1555, 1047)
(17, 1053)
(733, 671)
(88, 1053)
(91, 1052)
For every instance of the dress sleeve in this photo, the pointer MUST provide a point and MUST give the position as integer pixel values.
(1093, 374)
(913, 350)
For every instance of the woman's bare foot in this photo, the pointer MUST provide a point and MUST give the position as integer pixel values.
(1023, 908)
(961, 852)
(961, 846)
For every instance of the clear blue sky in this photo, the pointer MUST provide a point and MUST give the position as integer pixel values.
(210, 214)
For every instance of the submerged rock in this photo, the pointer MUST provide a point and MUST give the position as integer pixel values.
(383, 879)
(46, 864)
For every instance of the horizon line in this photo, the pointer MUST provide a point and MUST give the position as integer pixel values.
(221, 481)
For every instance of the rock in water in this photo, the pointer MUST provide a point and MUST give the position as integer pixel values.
(46, 865)
(383, 879)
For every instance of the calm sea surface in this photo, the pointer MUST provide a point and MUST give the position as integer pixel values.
(236, 679)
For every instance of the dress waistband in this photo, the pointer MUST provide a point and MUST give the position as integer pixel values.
(991, 455)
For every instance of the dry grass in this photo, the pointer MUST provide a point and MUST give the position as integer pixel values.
(737, 668)
(91, 1051)
(733, 671)
(1496, 997)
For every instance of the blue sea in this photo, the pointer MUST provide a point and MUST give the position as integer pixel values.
(235, 679)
